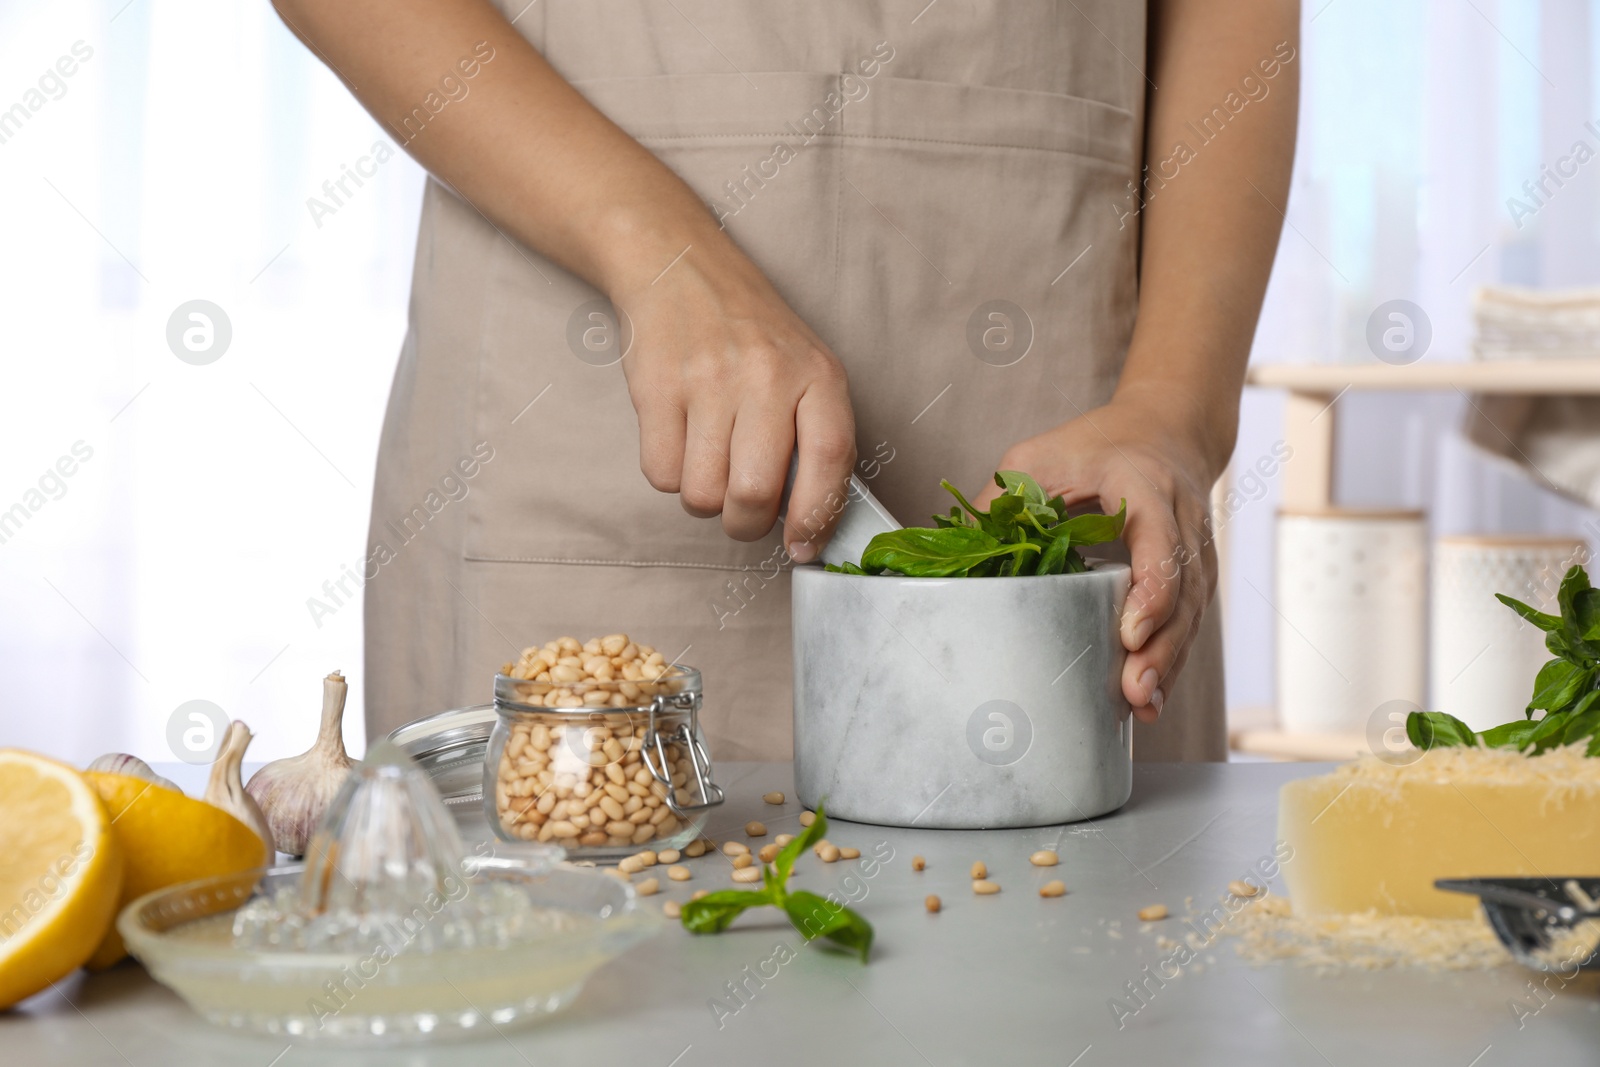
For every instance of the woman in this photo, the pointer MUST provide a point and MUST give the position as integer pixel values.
(941, 204)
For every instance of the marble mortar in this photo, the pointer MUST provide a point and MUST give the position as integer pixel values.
(961, 703)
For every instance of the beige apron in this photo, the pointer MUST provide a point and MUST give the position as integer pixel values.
(893, 167)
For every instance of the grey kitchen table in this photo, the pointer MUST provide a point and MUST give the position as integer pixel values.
(1004, 979)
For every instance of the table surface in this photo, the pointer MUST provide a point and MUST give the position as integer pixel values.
(1003, 979)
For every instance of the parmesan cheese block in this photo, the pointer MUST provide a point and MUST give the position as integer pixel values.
(1372, 836)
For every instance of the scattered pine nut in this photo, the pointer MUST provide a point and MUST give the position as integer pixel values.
(918, 863)
(1153, 913)
(695, 849)
(747, 874)
(849, 853)
(647, 858)
(820, 845)
(668, 855)
(619, 874)
(735, 848)
(698, 893)
(1242, 889)
(1045, 857)
(807, 818)
(1053, 889)
(773, 798)
(647, 888)
(782, 839)
(630, 865)
(742, 860)
(829, 853)
(983, 887)
(768, 853)
(755, 829)
(678, 873)
(671, 909)
(932, 904)
(979, 870)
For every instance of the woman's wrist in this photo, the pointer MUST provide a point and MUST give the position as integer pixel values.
(1201, 420)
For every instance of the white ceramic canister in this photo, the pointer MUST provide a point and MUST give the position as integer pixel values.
(1484, 657)
(1350, 594)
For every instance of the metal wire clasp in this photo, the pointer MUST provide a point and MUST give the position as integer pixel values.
(687, 735)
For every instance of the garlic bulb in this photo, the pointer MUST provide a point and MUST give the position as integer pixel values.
(295, 792)
(133, 767)
(226, 790)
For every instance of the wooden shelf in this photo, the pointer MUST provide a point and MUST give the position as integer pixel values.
(1571, 377)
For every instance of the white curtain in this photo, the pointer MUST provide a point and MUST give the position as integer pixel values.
(1419, 121)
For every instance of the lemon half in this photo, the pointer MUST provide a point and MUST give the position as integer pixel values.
(60, 876)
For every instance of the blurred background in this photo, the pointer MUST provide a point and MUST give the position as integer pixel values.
(208, 501)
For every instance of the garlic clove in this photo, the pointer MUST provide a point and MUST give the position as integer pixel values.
(295, 792)
(225, 789)
(133, 767)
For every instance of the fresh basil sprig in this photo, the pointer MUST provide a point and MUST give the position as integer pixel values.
(1567, 688)
(1024, 532)
(810, 914)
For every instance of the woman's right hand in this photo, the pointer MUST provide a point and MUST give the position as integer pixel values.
(727, 381)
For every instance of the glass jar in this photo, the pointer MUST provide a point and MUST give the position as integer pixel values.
(622, 766)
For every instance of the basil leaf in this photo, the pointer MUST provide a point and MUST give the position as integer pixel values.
(1544, 622)
(1436, 729)
(783, 862)
(816, 916)
(1559, 683)
(1573, 584)
(1586, 615)
(846, 568)
(943, 553)
(1054, 560)
(1509, 735)
(1057, 505)
(1021, 484)
(953, 491)
(1004, 515)
(1546, 733)
(715, 912)
(1095, 529)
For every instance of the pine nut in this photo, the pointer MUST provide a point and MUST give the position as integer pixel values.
(782, 839)
(979, 870)
(747, 874)
(849, 853)
(742, 860)
(667, 855)
(769, 853)
(983, 887)
(671, 909)
(698, 893)
(1153, 913)
(1242, 889)
(918, 863)
(695, 849)
(755, 829)
(1045, 857)
(931, 902)
(630, 864)
(619, 874)
(735, 848)
(829, 853)
(1053, 889)
(647, 888)
(773, 798)
(807, 818)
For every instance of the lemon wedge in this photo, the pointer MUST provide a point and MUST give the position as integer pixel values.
(61, 876)
(168, 838)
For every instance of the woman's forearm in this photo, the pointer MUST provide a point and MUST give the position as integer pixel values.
(1219, 148)
(521, 145)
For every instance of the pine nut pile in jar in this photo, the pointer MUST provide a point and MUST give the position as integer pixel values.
(597, 748)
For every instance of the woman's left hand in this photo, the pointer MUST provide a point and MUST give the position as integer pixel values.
(1130, 450)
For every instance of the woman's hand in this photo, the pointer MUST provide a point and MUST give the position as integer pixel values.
(1130, 450)
(726, 381)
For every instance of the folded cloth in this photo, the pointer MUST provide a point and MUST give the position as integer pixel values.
(1554, 439)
